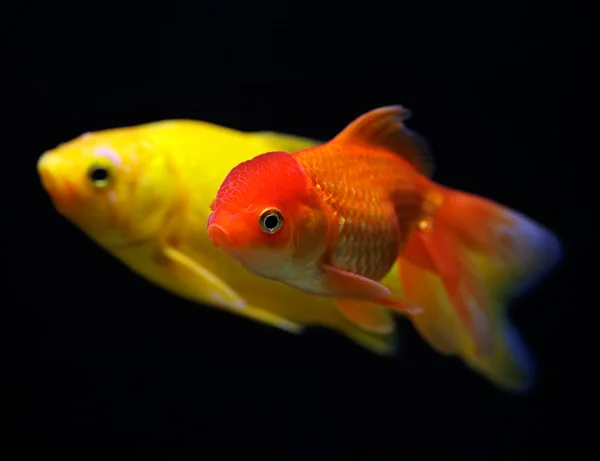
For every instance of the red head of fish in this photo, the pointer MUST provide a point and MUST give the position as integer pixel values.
(261, 212)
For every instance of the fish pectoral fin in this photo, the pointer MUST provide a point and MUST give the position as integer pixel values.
(203, 276)
(343, 284)
(216, 292)
(368, 316)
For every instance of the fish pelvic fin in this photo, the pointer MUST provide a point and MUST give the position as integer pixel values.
(383, 344)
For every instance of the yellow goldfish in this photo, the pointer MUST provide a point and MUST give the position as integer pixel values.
(142, 193)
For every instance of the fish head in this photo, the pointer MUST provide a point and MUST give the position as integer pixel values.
(268, 217)
(115, 185)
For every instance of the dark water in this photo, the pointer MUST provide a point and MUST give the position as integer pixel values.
(100, 364)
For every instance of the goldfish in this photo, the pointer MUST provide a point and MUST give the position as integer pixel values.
(332, 220)
(140, 193)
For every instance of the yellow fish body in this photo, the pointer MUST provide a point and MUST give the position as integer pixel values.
(143, 194)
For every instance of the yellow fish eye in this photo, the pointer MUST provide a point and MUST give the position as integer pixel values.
(100, 176)
(270, 220)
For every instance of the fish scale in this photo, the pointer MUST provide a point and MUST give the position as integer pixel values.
(370, 229)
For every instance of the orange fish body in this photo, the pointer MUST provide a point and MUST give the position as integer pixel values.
(332, 220)
(356, 203)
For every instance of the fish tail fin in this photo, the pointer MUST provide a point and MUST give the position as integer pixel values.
(462, 266)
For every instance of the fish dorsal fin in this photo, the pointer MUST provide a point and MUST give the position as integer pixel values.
(384, 127)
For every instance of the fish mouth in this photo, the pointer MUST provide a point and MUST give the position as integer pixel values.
(224, 232)
(61, 191)
(44, 169)
(218, 235)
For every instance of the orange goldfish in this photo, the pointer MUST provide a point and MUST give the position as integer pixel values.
(332, 220)
(140, 192)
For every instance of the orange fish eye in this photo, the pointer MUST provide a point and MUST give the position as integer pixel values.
(270, 220)
(100, 176)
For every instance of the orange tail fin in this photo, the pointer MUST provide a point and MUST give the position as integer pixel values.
(462, 267)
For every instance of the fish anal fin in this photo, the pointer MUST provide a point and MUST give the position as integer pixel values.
(204, 286)
(368, 316)
(384, 128)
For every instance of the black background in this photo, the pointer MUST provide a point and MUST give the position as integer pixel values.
(103, 365)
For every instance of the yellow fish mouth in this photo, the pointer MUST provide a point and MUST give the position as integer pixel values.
(61, 191)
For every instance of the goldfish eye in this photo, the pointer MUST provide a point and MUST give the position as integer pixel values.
(99, 176)
(270, 220)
